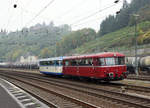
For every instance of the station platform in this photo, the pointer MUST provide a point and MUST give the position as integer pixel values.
(6, 100)
(14, 97)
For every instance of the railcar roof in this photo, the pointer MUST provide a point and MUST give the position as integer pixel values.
(105, 54)
(52, 58)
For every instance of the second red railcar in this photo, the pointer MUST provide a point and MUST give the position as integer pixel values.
(107, 66)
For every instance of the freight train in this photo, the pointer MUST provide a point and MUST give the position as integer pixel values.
(143, 64)
(106, 66)
(20, 65)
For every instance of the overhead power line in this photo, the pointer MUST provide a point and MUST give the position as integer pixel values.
(71, 9)
(96, 19)
(39, 12)
(93, 14)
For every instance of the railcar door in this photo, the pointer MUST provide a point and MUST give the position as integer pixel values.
(70, 67)
(100, 68)
(86, 68)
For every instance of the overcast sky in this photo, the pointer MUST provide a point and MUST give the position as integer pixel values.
(72, 12)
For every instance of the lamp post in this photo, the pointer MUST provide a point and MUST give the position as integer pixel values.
(136, 61)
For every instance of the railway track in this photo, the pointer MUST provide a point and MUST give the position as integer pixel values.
(65, 101)
(124, 99)
(131, 87)
(116, 85)
(143, 78)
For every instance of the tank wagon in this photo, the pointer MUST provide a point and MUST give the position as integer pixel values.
(143, 64)
(20, 65)
(106, 66)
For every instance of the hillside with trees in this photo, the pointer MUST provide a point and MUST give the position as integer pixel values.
(117, 33)
(74, 40)
(38, 40)
(126, 16)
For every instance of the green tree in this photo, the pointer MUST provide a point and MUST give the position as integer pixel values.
(45, 53)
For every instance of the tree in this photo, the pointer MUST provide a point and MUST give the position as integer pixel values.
(124, 18)
(74, 40)
(45, 52)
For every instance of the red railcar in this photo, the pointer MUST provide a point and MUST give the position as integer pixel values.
(107, 66)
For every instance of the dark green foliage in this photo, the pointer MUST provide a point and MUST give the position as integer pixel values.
(144, 14)
(125, 17)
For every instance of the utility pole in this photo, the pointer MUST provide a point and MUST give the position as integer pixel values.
(136, 61)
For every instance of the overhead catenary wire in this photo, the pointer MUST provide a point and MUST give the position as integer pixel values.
(92, 14)
(40, 12)
(75, 23)
(33, 13)
(89, 21)
(70, 10)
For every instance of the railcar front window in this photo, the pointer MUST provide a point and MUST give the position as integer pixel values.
(110, 61)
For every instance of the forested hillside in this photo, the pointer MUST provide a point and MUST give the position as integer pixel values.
(74, 40)
(126, 16)
(121, 40)
(117, 33)
(38, 40)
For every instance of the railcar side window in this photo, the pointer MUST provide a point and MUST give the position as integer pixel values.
(81, 62)
(51, 63)
(66, 63)
(89, 61)
(120, 61)
(46, 63)
(110, 61)
(57, 63)
(60, 63)
(101, 61)
(41, 63)
(73, 63)
(85, 62)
